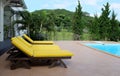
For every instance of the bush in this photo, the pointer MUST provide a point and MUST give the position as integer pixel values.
(38, 36)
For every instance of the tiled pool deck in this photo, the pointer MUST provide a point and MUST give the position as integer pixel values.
(85, 62)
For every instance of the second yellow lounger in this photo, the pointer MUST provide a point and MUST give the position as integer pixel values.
(37, 42)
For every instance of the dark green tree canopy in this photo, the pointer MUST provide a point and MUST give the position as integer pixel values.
(77, 22)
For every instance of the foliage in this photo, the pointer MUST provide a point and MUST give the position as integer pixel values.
(55, 20)
(59, 23)
(77, 22)
(104, 22)
(104, 27)
(25, 21)
(30, 22)
(6, 30)
(114, 30)
(94, 28)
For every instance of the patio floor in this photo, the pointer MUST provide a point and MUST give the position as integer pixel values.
(85, 62)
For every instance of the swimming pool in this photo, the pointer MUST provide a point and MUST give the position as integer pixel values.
(113, 49)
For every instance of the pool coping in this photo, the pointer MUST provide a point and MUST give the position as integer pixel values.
(83, 44)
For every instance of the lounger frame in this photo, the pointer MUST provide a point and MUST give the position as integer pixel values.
(19, 59)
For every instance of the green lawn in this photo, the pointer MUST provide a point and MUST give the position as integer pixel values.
(67, 35)
(86, 36)
(63, 35)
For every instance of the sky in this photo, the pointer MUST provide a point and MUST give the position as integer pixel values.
(90, 6)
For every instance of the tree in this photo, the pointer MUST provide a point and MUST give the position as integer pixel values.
(30, 22)
(49, 25)
(42, 18)
(114, 30)
(94, 28)
(104, 22)
(25, 21)
(77, 22)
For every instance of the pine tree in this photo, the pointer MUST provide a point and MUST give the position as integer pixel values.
(77, 22)
(104, 22)
(94, 28)
(114, 28)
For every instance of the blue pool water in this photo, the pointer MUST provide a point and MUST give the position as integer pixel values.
(113, 49)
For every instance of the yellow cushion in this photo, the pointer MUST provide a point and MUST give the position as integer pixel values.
(40, 50)
(37, 42)
(58, 53)
(28, 38)
(20, 45)
(41, 47)
(43, 42)
(13, 38)
(45, 47)
(24, 41)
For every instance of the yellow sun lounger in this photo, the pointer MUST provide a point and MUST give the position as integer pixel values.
(37, 42)
(37, 47)
(23, 53)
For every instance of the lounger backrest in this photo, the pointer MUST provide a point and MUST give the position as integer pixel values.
(24, 41)
(20, 45)
(28, 38)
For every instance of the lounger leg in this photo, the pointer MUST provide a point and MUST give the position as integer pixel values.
(55, 62)
(26, 64)
(62, 63)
